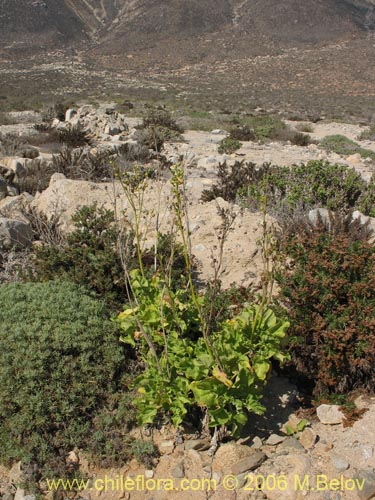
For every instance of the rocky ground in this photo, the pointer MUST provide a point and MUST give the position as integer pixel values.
(327, 459)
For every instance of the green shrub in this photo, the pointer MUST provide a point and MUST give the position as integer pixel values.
(61, 365)
(328, 290)
(304, 186)
(228, 146)
(88, 257)
(343, 146)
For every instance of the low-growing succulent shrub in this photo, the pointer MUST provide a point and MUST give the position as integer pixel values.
(228, 146)
(328, 289)
(343, 146)
(157, 127)
(83, 164)
(61, 363)
(73, 136)
(37, 176)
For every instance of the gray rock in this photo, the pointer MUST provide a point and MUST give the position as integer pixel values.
(367, 451)
(257, 443)
(340, 463)
(14, 233)
(248, 463)
(308, 438)
(197, 444)
(368, 490)
(291, 442)
(112, 129)
(166, 447)
(12, 190)
(57, 176)
(330, 414)
(178, 471)
(219, 131)
(69, 114)
(274, 440)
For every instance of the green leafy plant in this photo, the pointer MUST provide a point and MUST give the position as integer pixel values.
(228, 146)
(189, 361)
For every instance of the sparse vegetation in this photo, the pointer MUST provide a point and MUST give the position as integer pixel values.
(343, 146)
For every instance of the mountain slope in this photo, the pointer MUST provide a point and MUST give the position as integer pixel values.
(118, 25)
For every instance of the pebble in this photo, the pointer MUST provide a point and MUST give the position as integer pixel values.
(340, 464)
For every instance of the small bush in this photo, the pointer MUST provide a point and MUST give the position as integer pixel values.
(61, 363)
(367, 135)
(242, 133)
(299, 139)
(328, 289)
(37, 177)
(88, 257)
(228, 146)
(343, 146)
(304, 186)
(160, 117)
(305, 127)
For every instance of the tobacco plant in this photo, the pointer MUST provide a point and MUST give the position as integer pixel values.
(189, 360)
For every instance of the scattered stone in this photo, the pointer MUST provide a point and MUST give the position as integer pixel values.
(197, 444)
(178, 471)
(57, 176)
(368, 490)
(291, 442)
(330, 414)
(69, 114)
(257, 443)
(149, 473)
(20, 494)
(219, 131)
(308, 438)
(72, 458)
(340, 464)
(291, 424)
(249, 463)
(274, 440)
(367, 452)
(166, 447)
